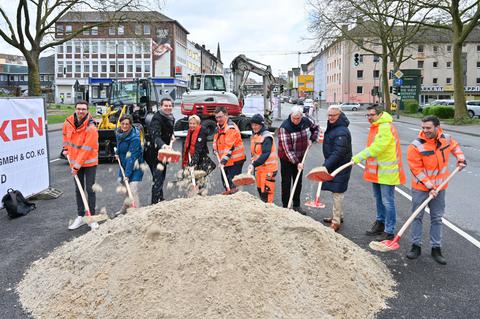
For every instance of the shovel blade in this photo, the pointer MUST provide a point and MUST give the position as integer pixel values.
(315, 204)
(319, 174)
(243, 180)
(385, 245)
(95, 218)
(168, 156)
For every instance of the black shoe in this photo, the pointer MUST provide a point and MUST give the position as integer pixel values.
(437, 256)
(328, 220)
(385, 236)
(377, 229)
(299, 210)
(415, 252)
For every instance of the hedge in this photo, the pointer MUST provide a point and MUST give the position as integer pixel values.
(441, 111)
(411, 106)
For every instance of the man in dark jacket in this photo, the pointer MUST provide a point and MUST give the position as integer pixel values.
(160, 134)
(293, 141)
(337, 150)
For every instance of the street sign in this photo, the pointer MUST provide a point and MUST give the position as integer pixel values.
(398, 74)
(397, 82)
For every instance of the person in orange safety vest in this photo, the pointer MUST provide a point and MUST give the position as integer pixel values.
(264, 158)
(80, 144)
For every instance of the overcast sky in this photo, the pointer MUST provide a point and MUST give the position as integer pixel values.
(263, 30)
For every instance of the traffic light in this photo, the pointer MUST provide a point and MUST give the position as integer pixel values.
(356, 59)
(395, 90)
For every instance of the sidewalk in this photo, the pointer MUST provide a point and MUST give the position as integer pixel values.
(473, 130)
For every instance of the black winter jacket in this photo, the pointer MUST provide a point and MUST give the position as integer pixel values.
(337, 150)
(160, 133)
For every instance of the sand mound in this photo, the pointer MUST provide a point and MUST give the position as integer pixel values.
(208, 257)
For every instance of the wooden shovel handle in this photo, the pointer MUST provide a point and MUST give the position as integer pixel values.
(292, 192)
(341, 168)
(227, 185)
(82, 192)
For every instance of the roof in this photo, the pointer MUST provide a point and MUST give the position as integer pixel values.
(100, 16)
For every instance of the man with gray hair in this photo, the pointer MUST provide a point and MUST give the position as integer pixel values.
(337, 150)
(293, 141)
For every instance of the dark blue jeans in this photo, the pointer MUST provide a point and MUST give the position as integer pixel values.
(231, 172)
(385, 200)
(86, 175)
(158, 180)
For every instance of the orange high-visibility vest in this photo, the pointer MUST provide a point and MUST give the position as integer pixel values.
(428, 159)
(256, 141)
(227, 142)
(81, 143)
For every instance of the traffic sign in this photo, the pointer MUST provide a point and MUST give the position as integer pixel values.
(398, 74)
(397, 82)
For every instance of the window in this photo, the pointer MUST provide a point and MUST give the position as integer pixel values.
(94, 31)
(69, 47)
(435, 64)
(60, 67)
(95, 67)
(86, 67)
(121, 30)
(449, 64)
(112, 67)
(121, 67)
(60, 49)
(68, 29)
(86, 47)
(111, 31)
(146, 47)
(359, 74)
(87, 31)
(129, 47)
(103, 66)
(60, 28)
(478, 64)
(103, 47)
(138, 67)
(376, 74)
(78, 48)
(449, 48)
(359, 89)
(69, 66)
(361, 58)
(78, 67)
(94, 47)
(121, 47)
(478, 48)
(435, 48)
(146, 65)
(146, 29)
(138, 47)
(138, 29)
(129, 66)
(435, 80)
(448, 80)
(111, 47)
(376, 58)
(420, 64)
(478, 80)
(420, 48)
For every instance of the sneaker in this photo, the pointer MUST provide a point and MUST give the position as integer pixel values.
(77, 223)
(377, 229)
(93, 225)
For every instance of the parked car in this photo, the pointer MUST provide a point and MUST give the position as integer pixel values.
(307, 105)
(473, 108)
(350, 106)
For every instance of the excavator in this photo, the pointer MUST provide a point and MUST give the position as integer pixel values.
(208, 91)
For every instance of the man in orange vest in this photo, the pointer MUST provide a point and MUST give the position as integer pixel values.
(80, 144)
(264, 158)
(228, 145)
(428, 158)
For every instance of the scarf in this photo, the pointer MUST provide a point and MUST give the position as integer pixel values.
(189, 147)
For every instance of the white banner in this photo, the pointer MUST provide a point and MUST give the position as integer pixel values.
(23, 146)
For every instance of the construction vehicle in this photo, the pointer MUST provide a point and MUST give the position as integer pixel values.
(208, 91)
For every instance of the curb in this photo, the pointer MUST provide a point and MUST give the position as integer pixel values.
(444, 128)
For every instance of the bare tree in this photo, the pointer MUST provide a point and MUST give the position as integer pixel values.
(31, 29)
(380, 27)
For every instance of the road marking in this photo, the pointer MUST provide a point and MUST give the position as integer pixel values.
(414, 129)
(54, 160)
(445, 221)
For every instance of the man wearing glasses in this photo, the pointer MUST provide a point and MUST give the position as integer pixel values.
(337, 150)
(383, 169)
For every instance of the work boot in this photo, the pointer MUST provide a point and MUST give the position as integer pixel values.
(77, 223)
(415, 252)
(385, 236)
(437, 255)
(299, 210)
(335, 227)
(377, 229)
(328, 220)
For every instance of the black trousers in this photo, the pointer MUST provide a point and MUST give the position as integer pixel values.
(231, 172)
(86, 175)
(289, 173)
(158, 180)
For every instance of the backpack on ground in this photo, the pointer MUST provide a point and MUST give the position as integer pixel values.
(16, 205)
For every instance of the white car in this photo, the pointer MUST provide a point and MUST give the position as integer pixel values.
(473, 108)
(350, 106)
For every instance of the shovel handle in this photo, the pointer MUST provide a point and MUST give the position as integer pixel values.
(227, 185)
(319, 189)
(292, 192)
(82, 192)
(127, 185)
(191, 170)
(425, 203)
(341, 168)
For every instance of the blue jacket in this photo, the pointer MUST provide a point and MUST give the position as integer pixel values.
(337, 150)
(130, 142)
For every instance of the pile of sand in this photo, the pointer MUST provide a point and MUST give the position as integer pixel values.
(208, 257)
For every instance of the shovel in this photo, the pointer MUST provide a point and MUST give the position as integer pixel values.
(127, 185)
(169, 155)
(88, 218)
(316, 203)
(389, 245)
(244, 179)
(225, 180)
(321, 174)
(292, 192)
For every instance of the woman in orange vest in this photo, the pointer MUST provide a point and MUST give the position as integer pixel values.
(80, 144)
(264, 158)
(228, 144)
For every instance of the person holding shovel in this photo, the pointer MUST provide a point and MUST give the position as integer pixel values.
(160, 135)
(293, 141)
(195, 149)
(427, 158)
(228, 145)
(383, 168)
(264, 158)
(129, 152)
(337, 150)
(80, 145)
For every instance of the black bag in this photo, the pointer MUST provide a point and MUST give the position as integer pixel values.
(16, 205)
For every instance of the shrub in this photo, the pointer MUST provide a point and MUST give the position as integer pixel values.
(427, 110)
(411, 106)
(441, 111)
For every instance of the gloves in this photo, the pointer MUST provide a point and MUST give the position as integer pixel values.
(355, 159)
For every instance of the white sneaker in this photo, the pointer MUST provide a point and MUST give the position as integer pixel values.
(93, 225)
(77, 223)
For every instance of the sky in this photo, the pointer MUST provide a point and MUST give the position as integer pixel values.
(263, 30)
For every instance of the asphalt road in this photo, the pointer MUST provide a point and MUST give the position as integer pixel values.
(425, 289)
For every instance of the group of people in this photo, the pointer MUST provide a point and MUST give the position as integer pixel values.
(427, 158)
